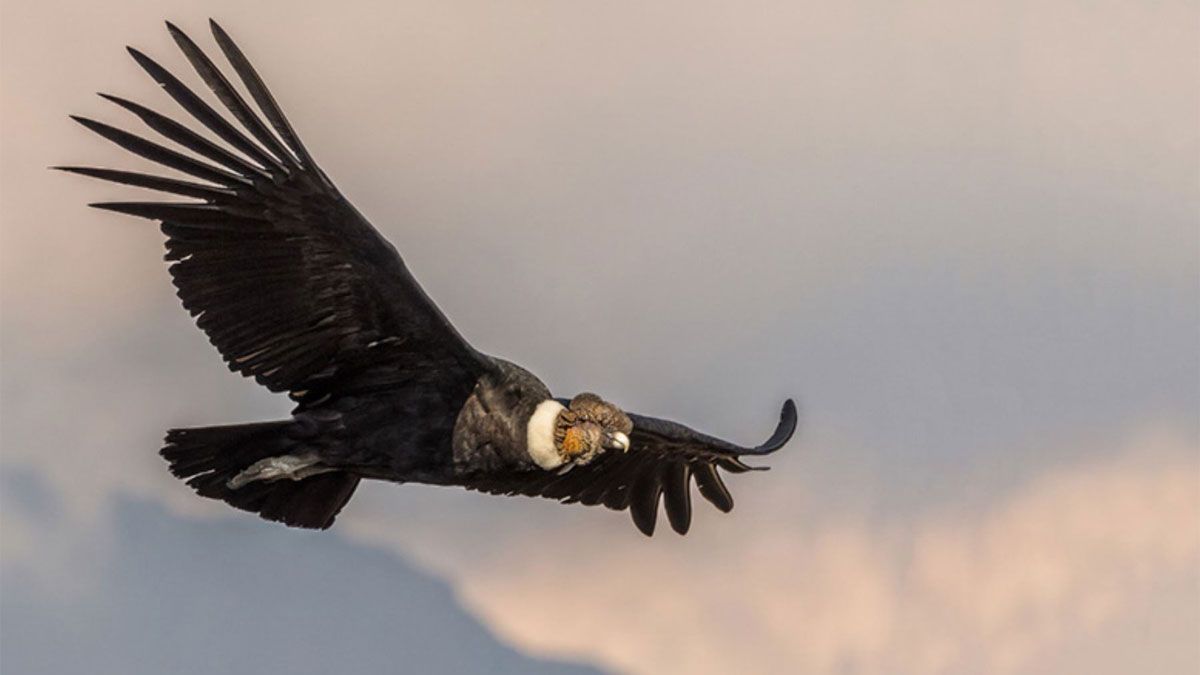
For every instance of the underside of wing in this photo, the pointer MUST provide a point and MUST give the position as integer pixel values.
(663, 460)
(290, 283)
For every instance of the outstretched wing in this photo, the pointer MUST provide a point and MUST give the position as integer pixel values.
(290, 283)
(663, 459)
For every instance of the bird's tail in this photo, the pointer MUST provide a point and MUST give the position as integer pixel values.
(209, 457)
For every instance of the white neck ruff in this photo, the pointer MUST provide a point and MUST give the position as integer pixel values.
(539, 435)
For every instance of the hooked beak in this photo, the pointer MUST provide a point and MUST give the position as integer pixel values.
(616, 441)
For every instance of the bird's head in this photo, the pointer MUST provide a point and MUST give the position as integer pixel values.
(590, 426)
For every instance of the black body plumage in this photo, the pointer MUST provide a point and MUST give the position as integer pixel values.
(297, 290)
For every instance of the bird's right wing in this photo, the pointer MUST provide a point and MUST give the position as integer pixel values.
(290, 283)
(663, 459)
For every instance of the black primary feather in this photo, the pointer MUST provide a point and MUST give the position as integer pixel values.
(232, 100)
(200, 110)
(179, 187)
(188, 138)
(262, 96)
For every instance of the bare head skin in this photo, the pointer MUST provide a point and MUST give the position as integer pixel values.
(590, 426)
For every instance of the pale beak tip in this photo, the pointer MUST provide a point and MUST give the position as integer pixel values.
(619, 441)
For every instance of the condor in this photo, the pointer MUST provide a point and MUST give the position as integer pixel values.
(297, 290)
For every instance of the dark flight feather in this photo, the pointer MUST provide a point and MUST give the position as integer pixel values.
(258, 90)
(157, 153)
(187, 138)
(183, 188)
(200, 110)
(712, 488)
(229, 96)
(677, 490)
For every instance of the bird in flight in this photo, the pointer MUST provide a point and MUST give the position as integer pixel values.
(296, 289)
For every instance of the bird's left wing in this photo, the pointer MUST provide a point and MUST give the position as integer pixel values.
(292, 285)
(663, 459)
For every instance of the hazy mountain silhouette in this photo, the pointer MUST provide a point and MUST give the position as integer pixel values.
(190, 596)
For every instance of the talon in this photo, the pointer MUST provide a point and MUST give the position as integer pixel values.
(616, 441)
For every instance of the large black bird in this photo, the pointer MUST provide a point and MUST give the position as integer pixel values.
(297, 290)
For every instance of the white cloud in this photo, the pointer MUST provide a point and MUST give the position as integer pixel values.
(996, 590)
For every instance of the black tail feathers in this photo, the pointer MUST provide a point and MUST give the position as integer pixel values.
(208, 457)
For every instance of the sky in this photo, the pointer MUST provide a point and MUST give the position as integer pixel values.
(964, 236)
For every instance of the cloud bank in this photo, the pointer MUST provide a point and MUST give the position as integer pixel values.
(1003, 589)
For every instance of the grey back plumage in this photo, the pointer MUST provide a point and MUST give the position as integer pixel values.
(490, 433)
